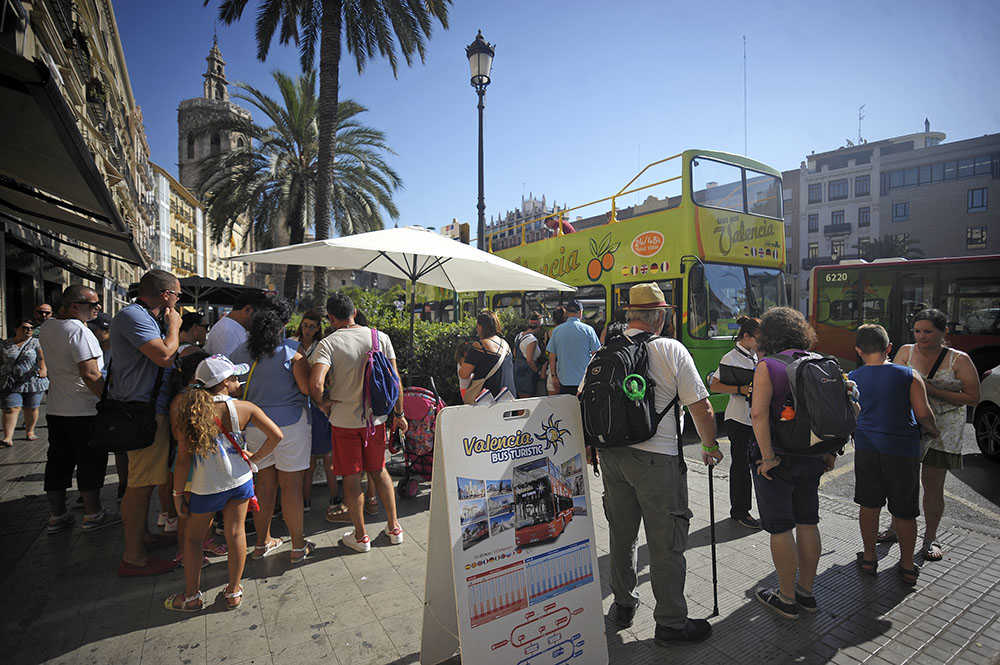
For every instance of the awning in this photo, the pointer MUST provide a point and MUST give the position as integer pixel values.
(48, 178)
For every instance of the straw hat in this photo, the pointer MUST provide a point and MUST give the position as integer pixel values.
(646, 296)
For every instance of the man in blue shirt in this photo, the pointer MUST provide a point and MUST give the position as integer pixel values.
(570, 348)
(144, 339)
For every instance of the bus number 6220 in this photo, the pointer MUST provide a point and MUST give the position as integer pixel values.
(836, 277)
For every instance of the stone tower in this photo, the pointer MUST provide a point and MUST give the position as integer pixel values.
(197, 133)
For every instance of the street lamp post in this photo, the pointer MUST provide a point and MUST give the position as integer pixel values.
(480, 55)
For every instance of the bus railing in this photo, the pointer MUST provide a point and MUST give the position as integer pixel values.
(558, 214)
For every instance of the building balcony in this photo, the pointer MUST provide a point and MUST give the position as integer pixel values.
(837, 229)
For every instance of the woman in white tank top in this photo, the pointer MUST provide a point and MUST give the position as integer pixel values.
(208, 426)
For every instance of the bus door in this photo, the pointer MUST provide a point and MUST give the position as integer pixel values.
(914, 291)
(594, 299)
(671, 293)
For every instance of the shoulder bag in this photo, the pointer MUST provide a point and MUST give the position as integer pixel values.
(476, 387)
(11, 380)
(123, 425)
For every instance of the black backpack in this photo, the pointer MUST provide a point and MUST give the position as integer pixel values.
(611, 417)
(822, 416)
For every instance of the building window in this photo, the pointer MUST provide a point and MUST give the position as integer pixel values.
(900, 211)
(864, 246)
(816, 192)
(216, 143)
(836, 248)
(975, 237)
(978, 199)
(813, 223)
(925, 174)
(837, 189)
(966, 167)
(190, 151)
(949, 170)
(982, 165)
(862, 185)
(837, 217)
(239, 142)
(864, 217)
(813, 252)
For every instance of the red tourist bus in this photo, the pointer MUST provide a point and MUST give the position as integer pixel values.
(543, 503)
(891, 291)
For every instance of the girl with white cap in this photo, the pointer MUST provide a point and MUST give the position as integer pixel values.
(208, 426)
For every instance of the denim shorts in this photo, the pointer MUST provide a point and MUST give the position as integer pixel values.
(27, 400)
(791, 497)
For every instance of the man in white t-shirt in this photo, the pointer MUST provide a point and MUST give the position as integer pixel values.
(647, 482)
(231, 330)
(355, 450)
(75, 361)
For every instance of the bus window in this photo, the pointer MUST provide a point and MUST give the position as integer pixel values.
(508, 301)
(594, 299)
(843, 311)
(763, 194)
(717, 185)
(873, 310)
(621, 297)
(974, 307)
(767, 288)
(718, 296)
(917, 293)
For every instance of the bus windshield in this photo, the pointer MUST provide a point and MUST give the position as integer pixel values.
(719, 294)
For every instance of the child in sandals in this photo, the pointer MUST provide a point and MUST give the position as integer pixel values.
(208, 426)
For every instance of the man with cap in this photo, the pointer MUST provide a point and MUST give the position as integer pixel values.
(647, 482)
(572, 344)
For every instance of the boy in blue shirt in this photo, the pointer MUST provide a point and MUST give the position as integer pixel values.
(887, 443)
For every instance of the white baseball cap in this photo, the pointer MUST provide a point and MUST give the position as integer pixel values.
(215, 369)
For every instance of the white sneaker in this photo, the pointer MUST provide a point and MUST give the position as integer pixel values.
(364, 545)
(161, 519)
(395, 537)
(170, 525)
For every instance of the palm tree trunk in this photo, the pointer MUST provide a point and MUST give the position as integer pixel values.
(296, 235)
(329, 82)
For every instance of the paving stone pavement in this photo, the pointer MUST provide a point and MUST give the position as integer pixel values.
(63, 603)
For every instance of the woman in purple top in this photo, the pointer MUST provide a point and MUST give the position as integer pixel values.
(787, 486)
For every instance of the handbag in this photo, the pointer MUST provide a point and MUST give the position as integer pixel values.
(11, 381)
(476, 387)
(123, 425)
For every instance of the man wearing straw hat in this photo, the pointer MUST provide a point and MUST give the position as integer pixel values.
(647, 481)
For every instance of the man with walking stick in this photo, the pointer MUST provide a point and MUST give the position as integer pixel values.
(647, 481)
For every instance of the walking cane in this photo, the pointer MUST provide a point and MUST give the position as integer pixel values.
(711, 526)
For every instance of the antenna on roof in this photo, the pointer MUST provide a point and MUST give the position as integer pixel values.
(861, 115)
(746, 149)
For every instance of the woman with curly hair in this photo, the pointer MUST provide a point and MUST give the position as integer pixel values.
(786, 484)
(278, 383)
(207, 423)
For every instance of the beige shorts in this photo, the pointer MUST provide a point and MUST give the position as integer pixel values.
(148, 466)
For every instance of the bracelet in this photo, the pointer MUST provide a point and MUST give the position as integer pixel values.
(176, 493)
(710, 449)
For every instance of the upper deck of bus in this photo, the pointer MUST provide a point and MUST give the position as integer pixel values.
(726, 209)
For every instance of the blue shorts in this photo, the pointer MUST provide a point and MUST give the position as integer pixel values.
(210, 503)
(27, 400)
(791, 497)
(322, 438)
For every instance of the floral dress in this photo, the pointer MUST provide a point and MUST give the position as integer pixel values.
(22, 360)
(950, 417)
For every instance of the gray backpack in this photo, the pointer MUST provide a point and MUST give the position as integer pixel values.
(823, 417)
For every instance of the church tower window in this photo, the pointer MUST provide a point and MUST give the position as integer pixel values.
(190, 146)
(216, 143)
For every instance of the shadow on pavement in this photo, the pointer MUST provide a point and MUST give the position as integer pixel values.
(980, 474)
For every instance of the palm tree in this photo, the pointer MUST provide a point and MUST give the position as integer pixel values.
(890, 246)
(367, 29)
(274, 175)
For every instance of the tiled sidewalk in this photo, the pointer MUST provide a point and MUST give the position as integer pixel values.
(63, 602)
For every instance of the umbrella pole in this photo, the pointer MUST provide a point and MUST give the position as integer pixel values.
(413, 355)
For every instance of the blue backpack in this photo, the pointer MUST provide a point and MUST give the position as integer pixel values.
(381, 391)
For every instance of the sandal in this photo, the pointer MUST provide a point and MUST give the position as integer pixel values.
(866, 566)
(338, 514)
(6, 444)
(234, 599)
(371, 506)
(887, 536)
(908, 575)
(213, 548)
(261, 551)
(185, 601)
(932, 551)
(304, 552)
(31, 437)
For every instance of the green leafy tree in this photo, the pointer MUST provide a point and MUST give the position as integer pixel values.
(368, 29)
(890, 246)
(274, 175)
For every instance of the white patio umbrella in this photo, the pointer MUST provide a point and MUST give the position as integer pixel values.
(416, 255)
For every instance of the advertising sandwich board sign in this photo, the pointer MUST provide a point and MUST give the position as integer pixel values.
(511, 563)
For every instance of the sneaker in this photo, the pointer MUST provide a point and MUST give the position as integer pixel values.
(61, 523)
(621, 615)
(307, 506)
(694, 630)
(153, 566)
(100, 520)
(806, 601)
(748, 520)
(395, 536)
(363, 546)
(170, 525)
(161, 519)
(772, 599)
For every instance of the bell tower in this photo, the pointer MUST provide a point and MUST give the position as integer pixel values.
(215, 87)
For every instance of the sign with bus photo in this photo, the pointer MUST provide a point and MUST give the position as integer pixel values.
(512, 566)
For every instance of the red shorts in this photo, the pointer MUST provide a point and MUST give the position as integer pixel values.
(351, 455)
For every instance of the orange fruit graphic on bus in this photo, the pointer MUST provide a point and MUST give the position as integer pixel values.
(604, 256)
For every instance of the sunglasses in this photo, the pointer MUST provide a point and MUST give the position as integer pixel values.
(173, 293)
(27, 328)
(91, 303)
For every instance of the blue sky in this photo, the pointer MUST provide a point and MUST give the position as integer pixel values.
(584, 92)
